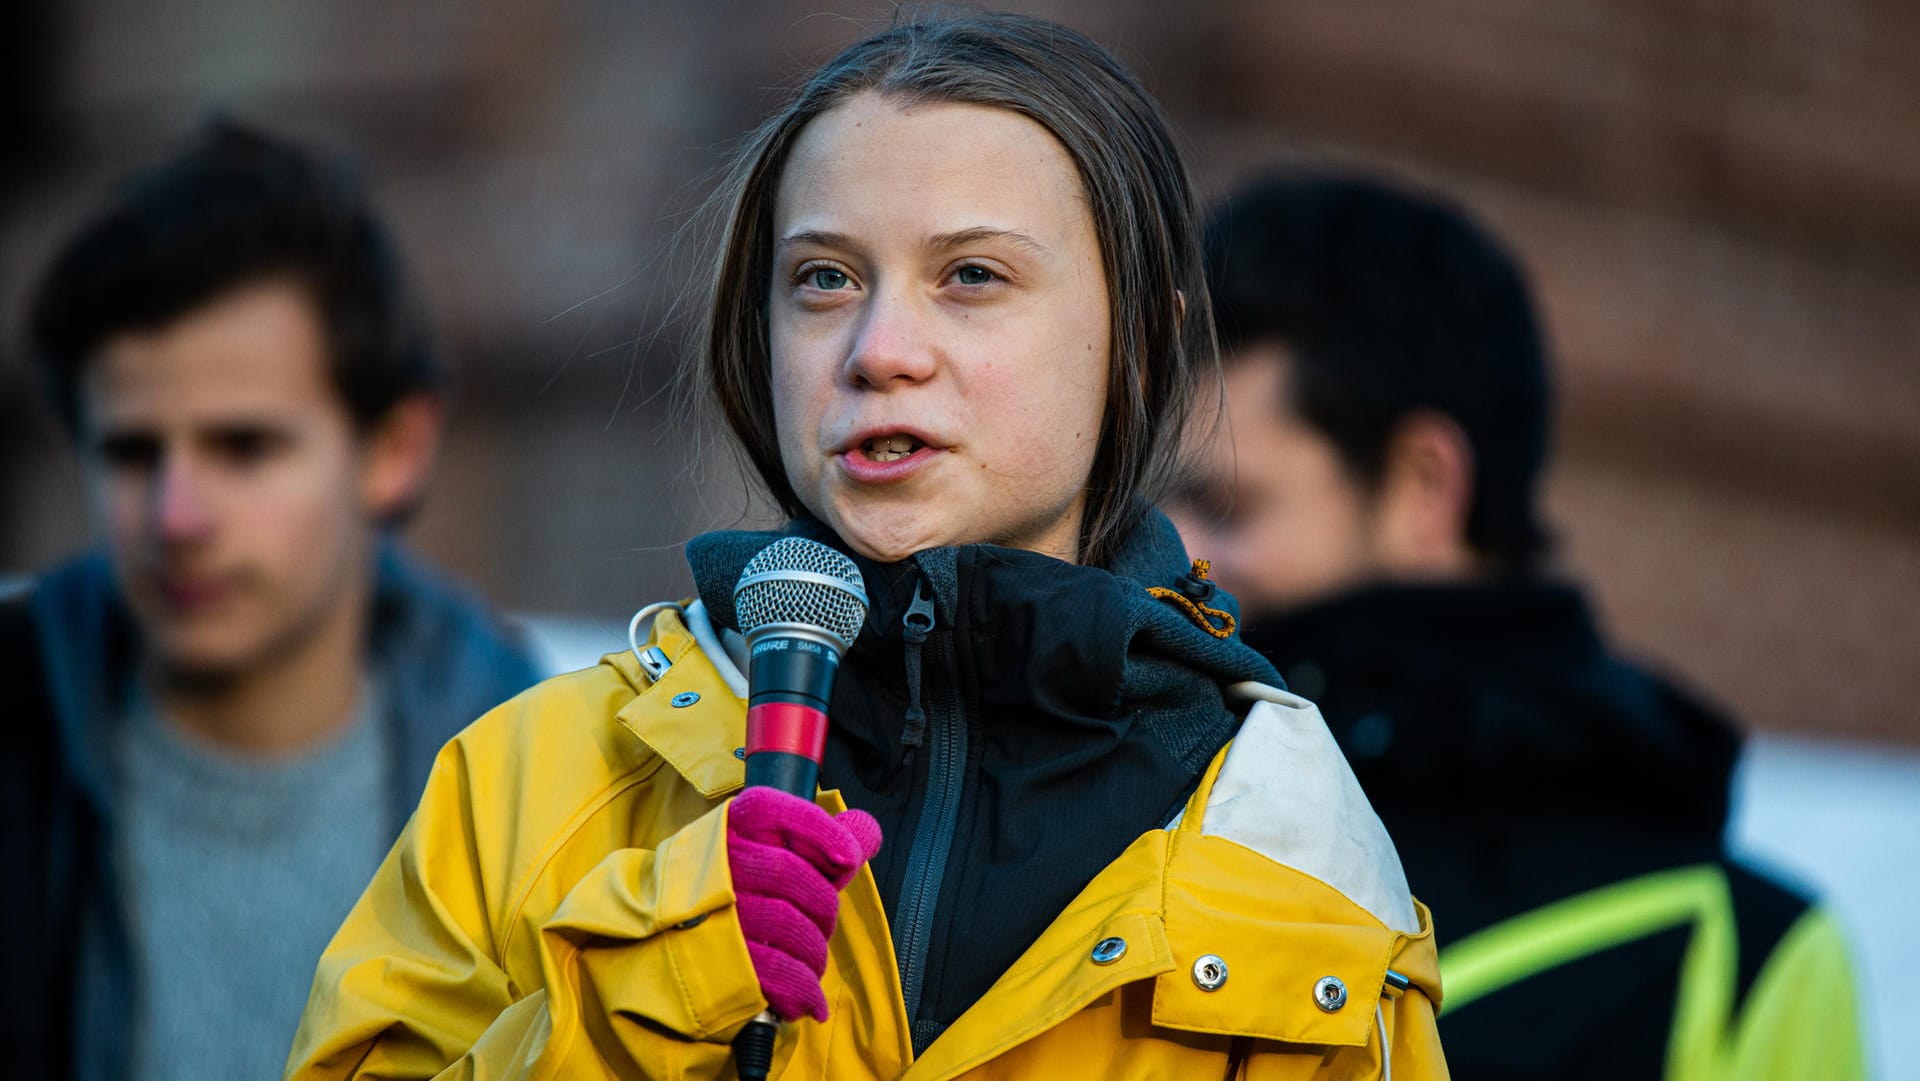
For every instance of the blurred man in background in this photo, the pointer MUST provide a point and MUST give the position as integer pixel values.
(219, 719)
(1371, 500)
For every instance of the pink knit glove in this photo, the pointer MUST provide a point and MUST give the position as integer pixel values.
(790, 859)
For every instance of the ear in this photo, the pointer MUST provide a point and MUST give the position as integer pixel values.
(1424, 498)
(398, 455)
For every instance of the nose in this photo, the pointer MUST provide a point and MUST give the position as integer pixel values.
(893, 344)
(181, 512)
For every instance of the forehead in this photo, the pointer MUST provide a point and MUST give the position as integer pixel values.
(259, 351)
(1256, 395)
(874, 163)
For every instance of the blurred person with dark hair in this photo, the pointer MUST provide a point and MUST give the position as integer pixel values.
(221, 718)
(1371, 499)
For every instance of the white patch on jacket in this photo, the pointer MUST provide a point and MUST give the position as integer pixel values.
(1286, 792)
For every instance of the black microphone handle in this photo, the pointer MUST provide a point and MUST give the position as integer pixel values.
(798, 673)
(794, 774)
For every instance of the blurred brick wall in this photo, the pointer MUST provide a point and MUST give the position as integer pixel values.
(1720, 205)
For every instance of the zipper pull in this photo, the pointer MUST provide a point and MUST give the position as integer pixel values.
(918, 621)
(915, 625)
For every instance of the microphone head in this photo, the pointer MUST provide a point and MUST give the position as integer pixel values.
(802, 584)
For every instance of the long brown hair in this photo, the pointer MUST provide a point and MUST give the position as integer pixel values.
(1143, 212)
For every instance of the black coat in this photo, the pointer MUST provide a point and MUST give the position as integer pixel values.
(1516, 762)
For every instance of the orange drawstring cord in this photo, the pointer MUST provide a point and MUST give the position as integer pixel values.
(1212, 620)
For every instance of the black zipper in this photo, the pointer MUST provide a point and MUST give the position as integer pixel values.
(939, 813)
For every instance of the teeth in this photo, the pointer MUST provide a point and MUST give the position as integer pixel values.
(891, 448)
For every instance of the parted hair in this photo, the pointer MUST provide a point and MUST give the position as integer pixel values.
(234, 207)
(1162, 338)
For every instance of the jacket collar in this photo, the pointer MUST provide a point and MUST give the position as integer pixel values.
(87, 648)
(1151, 555)
(1051, 646)
(442, 658)
(695, 715)
(1505, 684)
(1518, 622)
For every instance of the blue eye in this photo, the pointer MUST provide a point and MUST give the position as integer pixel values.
(827, 278)
(973, 275)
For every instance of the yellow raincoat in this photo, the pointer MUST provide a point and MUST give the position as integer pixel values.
(560, 906)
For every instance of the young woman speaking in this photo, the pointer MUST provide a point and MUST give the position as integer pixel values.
(955, 322)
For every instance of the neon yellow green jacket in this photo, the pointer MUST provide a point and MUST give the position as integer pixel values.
(560, 906)
(1798, 1022)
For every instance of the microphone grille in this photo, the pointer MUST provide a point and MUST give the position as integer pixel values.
(796, 580)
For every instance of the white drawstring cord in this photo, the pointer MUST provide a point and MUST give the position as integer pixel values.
(633, 625)
(1386, 1053)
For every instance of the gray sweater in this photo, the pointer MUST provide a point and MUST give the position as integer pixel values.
(237, 874)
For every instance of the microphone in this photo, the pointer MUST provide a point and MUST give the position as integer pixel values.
(800, 604)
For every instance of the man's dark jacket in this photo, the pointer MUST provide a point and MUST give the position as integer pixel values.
(1517, 762)
(67, 647)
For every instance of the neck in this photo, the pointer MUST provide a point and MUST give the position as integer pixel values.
(302, 695)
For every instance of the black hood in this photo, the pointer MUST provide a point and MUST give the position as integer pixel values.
(1072, 639)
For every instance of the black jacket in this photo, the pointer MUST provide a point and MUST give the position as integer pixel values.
(67, 648)
(1517, 762)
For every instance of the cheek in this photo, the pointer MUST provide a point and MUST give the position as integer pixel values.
(796, 416)
(1048, 414)
(311, 506)
(804, 368)
(1324, 538)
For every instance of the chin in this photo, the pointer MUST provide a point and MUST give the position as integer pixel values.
(206, 659)
(885, 552)
(890, 538)
(202, 670)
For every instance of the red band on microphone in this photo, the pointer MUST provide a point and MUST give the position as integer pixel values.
(787, 726)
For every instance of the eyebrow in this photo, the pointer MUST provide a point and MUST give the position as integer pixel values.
(977, 234)
(938, 242)
(104, 431)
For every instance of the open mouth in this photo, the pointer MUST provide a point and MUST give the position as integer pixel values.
(890, 448)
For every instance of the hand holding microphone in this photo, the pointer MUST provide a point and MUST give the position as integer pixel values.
(790, 859)
(800, 604)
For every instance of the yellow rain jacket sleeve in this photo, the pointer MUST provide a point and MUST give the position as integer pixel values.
(560, 906)
(512, 925)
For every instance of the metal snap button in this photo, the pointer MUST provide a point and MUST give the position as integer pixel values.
(1210, 972)
(685, 699)
(1330, 993)
(1108, 950)
(739, 752)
